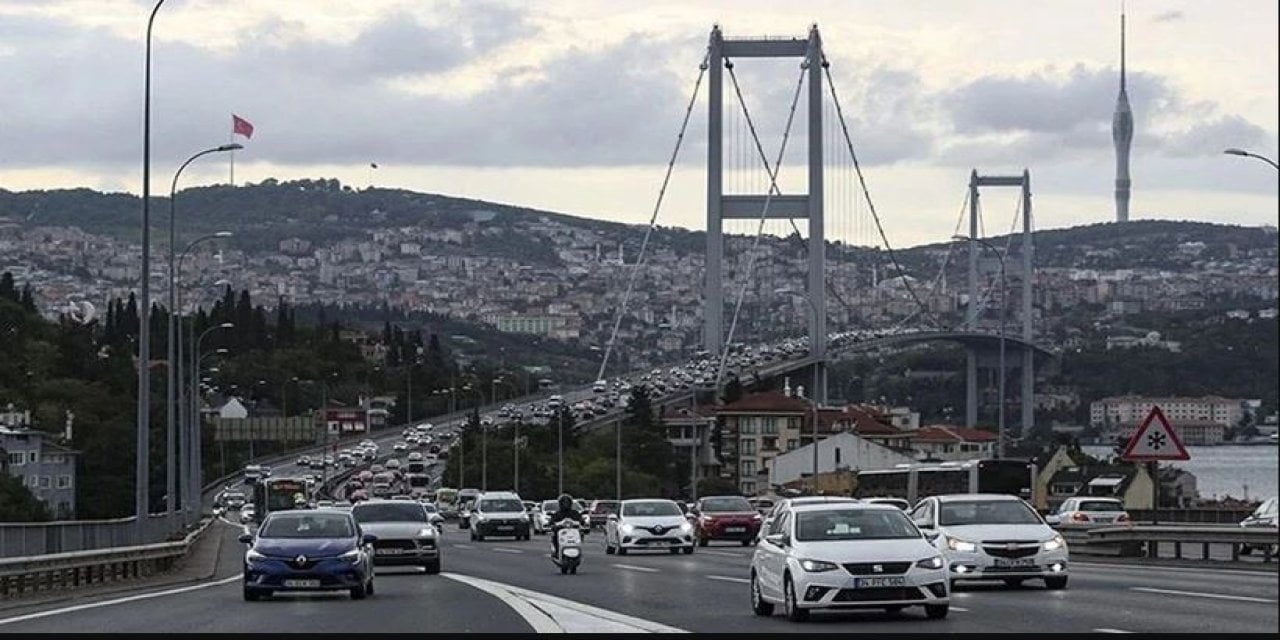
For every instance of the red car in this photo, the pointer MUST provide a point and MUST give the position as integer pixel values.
(726, 518)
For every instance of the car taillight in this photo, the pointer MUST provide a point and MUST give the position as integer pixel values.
(1079, 517)
(1124, 517)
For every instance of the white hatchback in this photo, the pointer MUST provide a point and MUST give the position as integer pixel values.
(993, 537)
(847, 556)
(648, 524)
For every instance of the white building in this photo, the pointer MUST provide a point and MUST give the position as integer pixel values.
(233, 408)
(836, 452)
(1118, 410)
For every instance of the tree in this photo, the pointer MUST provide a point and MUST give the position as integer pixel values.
(17, 503)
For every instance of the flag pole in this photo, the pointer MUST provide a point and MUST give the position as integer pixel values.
(231, 138)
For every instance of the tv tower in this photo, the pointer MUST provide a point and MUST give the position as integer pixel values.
(1122, 136)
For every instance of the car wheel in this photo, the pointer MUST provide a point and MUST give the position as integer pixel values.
(358, 593)
(564, 569)
(622, 551)
(936, 611)
(1013, 582)
(479, 538)
(675, 551)
(368, 590)
(473, 535)
(252, 595)
(758, 604)
(702, 542)
(1056, 582)
(688, 551)
(608, 548)
(794, 612)
(746, 543)
(573, 570)
(433, 567)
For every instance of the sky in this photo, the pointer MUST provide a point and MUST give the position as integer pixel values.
(575, 105)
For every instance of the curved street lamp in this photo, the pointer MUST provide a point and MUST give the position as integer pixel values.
(1000, 256)
(1245, 154)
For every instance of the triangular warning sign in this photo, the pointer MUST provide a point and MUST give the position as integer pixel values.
(1155, 440)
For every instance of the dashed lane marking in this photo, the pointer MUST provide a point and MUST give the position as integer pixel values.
(1197, 594)
(464, 546)
(1105, 630)
(506, 550)
(725, 553)
(729, 579)
(632, 567)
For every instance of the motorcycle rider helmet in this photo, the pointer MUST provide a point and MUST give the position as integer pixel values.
(565, 502)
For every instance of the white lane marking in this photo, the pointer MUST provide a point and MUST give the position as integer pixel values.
(635, 568)
(724, 553)
(105, 603)
(464, 546)
(1269, 576)
(1196, 594)
(538, 619)
(960, 609)
(729, 579)
(1105, 630)
(506, 550)
(547, 600)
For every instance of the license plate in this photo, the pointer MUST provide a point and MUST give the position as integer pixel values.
(388, 552)
(302, 584)
(870, 583)
(735, 529)
(505, 527)
(1015, 562)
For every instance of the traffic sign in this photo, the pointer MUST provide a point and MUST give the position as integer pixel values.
(1155, 440)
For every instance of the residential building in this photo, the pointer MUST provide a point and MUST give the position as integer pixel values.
(839, 452)
(753, 430)
(950, 442)
(690, 431)
(46, 468)
(1131, 409)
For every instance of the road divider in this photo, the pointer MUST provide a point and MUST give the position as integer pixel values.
(552, 614)
(1197, 594)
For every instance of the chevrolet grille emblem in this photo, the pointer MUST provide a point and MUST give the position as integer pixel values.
(1012, 546)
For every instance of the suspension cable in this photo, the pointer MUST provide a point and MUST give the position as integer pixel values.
(657, 206)
(893, 256)
(946, 260)
(764, 212)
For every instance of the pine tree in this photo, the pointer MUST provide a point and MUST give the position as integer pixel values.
(8, 291)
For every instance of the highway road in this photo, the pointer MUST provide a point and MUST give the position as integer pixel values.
(704, 592)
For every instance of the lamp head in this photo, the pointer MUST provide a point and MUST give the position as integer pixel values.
(230, 147)
(227, 325)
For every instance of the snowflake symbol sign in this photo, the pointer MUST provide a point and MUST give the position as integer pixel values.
(1156, 440)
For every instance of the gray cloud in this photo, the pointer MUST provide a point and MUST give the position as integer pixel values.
(1168, 16)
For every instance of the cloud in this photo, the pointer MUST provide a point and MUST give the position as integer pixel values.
(1169, 16)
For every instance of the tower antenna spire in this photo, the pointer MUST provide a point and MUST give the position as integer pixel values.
(1122, 51)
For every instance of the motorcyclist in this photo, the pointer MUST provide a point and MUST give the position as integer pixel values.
(564, 510)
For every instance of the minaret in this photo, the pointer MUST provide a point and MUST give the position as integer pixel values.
(1122, 135)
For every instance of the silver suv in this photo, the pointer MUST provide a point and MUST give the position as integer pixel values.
(406, 535)
(499, 514)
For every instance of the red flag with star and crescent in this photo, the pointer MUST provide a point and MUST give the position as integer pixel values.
(241, 126)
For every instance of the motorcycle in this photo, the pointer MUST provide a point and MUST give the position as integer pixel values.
(569, 555)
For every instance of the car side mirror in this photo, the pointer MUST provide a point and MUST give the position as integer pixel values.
(931, 535)
(777, 539)
(245, 538)
(368, 538)
(1053, 520)
(924, 524)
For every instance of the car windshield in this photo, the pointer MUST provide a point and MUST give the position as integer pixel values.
(550, 506)
(1101, 505)
(986, 512)
(605, 506)
(724, 505)
(853, 524)
(501, 504)
(307, 525)
(389, 513)
(648, 509)
(428, 507)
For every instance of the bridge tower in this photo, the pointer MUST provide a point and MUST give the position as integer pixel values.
(1023, 182)
(721, 207)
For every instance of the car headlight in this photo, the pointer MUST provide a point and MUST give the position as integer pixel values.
(253, 556)
(686, 527)
(816, 566)
(352, 556)
(427, 532)
(956, 544)
(1054, 543)
(930, 563)
(626, 528)
(757, 517)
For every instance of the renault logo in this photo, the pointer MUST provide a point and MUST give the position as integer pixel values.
(877, 568)
(300, 559)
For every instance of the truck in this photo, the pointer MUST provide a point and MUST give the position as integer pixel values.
(278, 494)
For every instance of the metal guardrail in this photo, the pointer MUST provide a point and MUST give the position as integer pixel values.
(1146, 540)
(24, 539)
(1179, 516)
(53, 572)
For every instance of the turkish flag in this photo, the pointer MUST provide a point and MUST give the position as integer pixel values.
(241, 126)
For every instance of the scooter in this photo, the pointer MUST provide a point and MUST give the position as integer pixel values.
(570, 553)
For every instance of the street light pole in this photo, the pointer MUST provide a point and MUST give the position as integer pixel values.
(188, 449)
(1000, 447)
(560, 453)
(1245, 154)
(142, 466)
(195, 385)
(171, 437)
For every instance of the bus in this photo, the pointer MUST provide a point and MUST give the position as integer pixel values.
(278, 494)
(915, 481)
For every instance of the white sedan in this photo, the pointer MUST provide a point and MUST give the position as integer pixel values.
(993, 537)
(847, 556)
(648, 524)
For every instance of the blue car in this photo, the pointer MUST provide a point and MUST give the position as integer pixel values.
(308, 550)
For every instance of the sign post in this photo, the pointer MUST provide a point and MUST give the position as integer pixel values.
(1154, 440)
